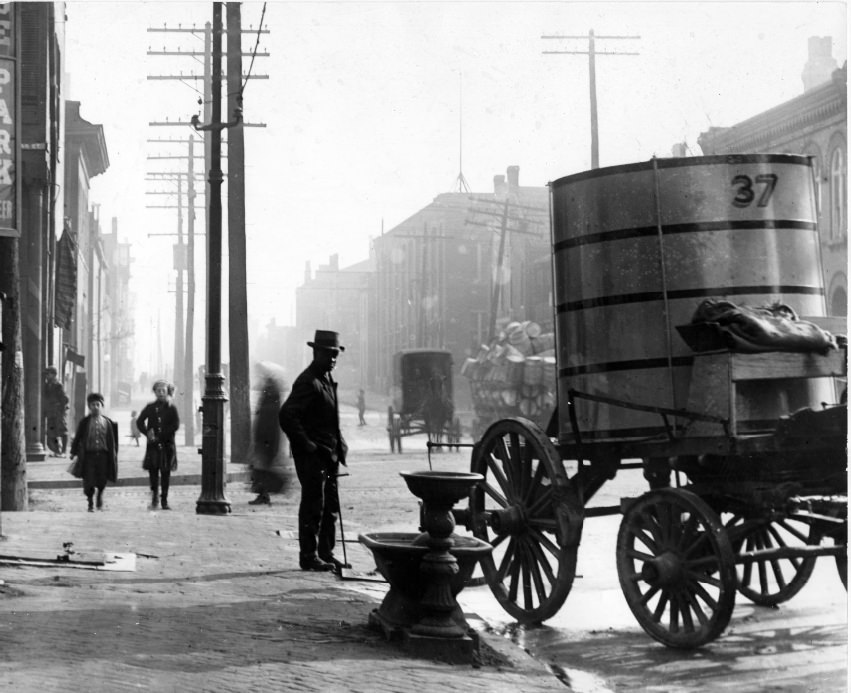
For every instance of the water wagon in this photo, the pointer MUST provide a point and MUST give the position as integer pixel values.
(693, 346)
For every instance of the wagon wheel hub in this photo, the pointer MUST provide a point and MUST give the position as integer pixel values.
(511, 520)
(663, 571)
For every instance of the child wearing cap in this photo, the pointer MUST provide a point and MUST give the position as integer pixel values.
(95, 447)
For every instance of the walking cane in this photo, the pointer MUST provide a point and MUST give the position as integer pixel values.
(346, 563)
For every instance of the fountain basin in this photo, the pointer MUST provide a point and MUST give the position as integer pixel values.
(440, 488)
(398, 557)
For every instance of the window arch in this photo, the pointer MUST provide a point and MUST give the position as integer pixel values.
(812, 150)
(838, 193)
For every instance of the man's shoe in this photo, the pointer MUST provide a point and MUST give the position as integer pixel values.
(155, 499)
(262, 499)
(164, 503)
(316, 565)
(338, 564)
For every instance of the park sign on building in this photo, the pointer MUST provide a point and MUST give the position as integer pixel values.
(9, 133)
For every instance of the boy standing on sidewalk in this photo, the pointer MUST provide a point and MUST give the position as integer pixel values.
(95, 447)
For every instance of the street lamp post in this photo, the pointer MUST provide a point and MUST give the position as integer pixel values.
(212, 499)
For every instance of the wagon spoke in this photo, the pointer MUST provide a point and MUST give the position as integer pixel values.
(526, 471)
(781, 543)
(506, 455)
(537, 561)
(534, 485)
(674, 614)
(542, 560)
(493, 493)
(649, 594)
(793, 531)
(545, 542)
(708, 599)
(643, 535)
(498, 474)
(763, 576)
(660, 607)
(526, 570)
(702, 575)
(514, 577)
(700, 539)
(543, 501)
(651, 526)
(685, 611)
(632, 552)
(696, 608)
(505, 563)
(498, 539)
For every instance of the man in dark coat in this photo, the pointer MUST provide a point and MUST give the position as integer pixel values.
(311, 420)
(54, 403)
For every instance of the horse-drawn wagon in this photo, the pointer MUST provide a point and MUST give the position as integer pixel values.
(422, 398)
(668, 364)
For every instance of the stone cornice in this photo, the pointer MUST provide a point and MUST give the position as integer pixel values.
(785, 121)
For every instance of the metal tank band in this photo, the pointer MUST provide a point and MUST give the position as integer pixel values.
(636, 248)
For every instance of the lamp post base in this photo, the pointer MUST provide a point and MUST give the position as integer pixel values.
(212, 507)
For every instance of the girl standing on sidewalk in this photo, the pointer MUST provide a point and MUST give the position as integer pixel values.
(159, 421)
(95, 448)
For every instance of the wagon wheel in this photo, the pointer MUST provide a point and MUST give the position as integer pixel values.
(775, 580)
(676, 568)
(514, 508)
(842, 568)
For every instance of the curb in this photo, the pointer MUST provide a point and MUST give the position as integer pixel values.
(185, 480)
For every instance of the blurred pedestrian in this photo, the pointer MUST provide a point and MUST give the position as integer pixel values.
(361, 407)
(268, 474)
(54, 404)
(134, 429)
(158, 422)
(95, 450)
(311, 420)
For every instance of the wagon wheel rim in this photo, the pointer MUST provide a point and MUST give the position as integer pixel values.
(774, 580)
(530, 570)
(676, 568)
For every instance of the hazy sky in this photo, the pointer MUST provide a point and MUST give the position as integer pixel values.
(362, 107)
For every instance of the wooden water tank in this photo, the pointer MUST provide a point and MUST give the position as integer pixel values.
(636, 248)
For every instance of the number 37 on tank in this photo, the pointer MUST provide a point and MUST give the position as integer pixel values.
(748, 189)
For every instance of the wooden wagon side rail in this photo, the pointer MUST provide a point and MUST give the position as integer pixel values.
(664, 412)
(716, 377)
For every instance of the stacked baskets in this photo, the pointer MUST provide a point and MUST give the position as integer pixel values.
(515, 375)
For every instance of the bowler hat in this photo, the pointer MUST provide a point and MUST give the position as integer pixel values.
(326, 339)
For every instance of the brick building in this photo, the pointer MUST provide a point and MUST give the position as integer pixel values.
(815, 124)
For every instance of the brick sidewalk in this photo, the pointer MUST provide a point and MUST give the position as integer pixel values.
(215, 603)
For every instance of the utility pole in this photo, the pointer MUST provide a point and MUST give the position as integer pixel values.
(184, 259)
(240, 387)
(179, 255)
(592, 75)
(239, 434)
(188, 356)
(212, 499)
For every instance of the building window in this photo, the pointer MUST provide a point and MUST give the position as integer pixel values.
(838, 195)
